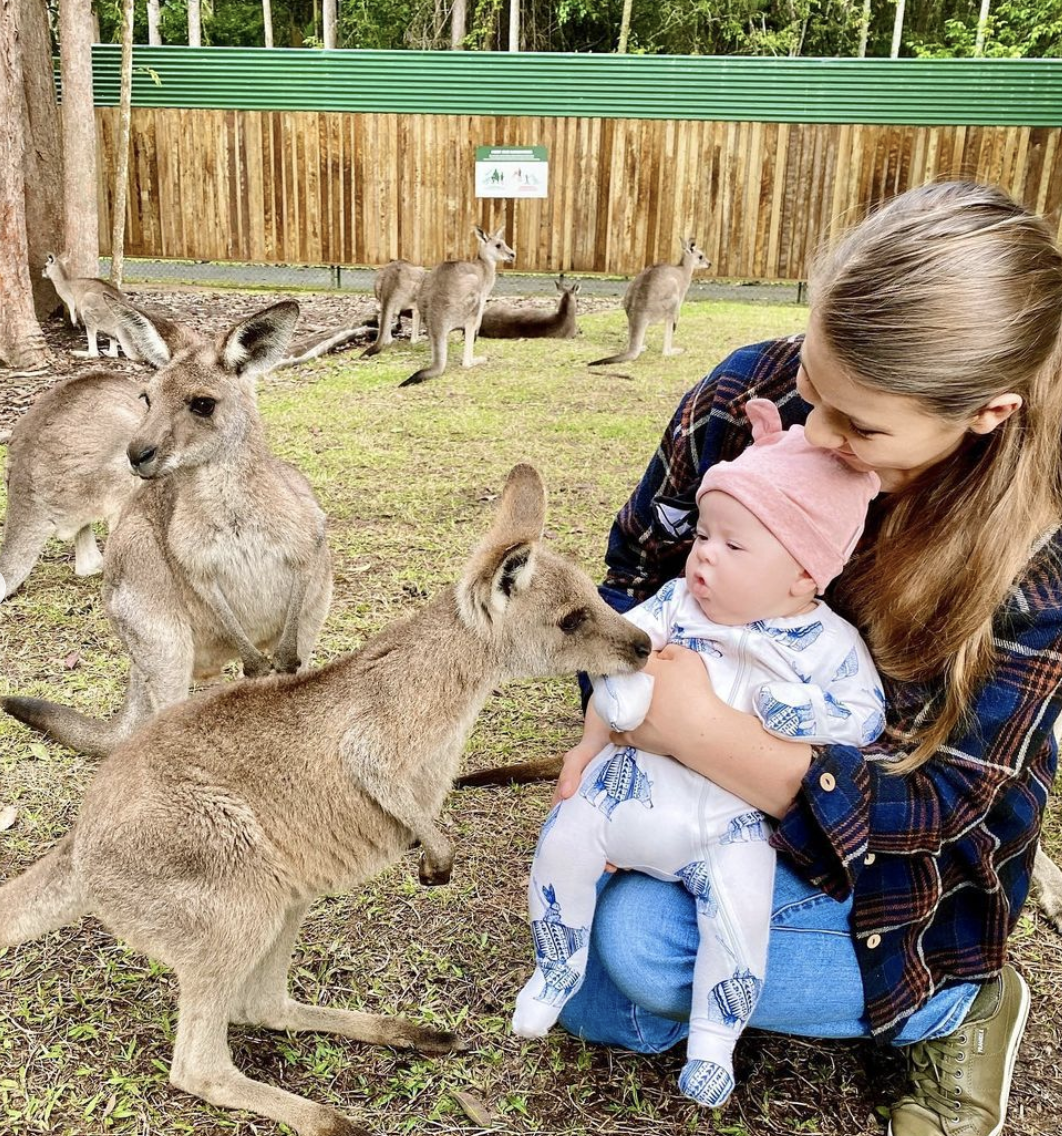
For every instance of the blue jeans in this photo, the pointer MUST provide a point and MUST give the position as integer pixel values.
(639, 977)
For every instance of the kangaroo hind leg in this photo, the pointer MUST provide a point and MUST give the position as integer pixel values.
(25, 536)
(202, 1062)
(264, 1000)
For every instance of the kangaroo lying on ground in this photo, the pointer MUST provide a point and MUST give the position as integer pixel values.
(67, 465)
(502, 321)
(220, 554)
(396, 287)
(87, 301)
(203, 839)
(656, 294)
(453, 295)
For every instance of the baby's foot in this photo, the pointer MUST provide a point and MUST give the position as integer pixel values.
(532, 1017)
(706, 1083)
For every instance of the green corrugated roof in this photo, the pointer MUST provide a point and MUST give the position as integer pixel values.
(996, 92)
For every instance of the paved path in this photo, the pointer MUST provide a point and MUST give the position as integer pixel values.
(282, 277)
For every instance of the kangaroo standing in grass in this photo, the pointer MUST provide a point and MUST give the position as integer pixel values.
(396, 287)
(656, 294)
(503, 321)
(203, 840)
(221, 552)
(453, 295)
(67, 466)
(86, 300)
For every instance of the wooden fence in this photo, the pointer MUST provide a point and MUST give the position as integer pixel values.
(296, 187)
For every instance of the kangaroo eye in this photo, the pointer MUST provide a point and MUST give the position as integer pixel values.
(202, 407)
(573, 620)
(144, 398)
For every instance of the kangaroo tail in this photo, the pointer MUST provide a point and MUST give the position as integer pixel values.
(544, 769)
(72, 729)
(44, 898)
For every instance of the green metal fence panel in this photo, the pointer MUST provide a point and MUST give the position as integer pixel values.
(915, 92)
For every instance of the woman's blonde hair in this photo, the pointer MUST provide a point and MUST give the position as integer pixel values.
(950, 294)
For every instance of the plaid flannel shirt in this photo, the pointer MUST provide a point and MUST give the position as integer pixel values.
(937, 861)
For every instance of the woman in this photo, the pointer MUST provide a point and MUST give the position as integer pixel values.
(933, 356)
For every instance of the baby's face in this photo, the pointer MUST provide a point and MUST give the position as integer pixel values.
(738, 571)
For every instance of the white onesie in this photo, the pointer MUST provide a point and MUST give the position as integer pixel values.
(807, 678)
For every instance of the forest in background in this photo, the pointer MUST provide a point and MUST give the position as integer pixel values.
(931, 28)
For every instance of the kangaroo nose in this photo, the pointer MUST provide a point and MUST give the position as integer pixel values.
(139, 456)
(643, 648)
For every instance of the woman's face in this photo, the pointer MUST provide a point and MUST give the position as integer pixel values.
(872, 430)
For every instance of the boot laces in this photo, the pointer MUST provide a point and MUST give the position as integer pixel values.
(936, 1073)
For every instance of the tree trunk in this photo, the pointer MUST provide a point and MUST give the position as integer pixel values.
(195, 24)
(21, 341)
(42, 163)
(625, 27)
(982, 28)
(267, 22)
(328, 21)
(897, 28)
(121, 170)
(153, 14)
(81, 219)
(864, 30)
(514, 25)
(458, 25)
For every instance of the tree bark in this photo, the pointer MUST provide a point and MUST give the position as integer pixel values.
(897, 28)
(153, 16)
(267, 22)
(195, 24)
(982, 28)
(328, 22)
(864, 30)
(42, 164)
(81, 219)
(21, 341)
(459, 25)
(625, 27)
(121, 171)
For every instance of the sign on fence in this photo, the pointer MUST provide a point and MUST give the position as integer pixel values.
(512, 171)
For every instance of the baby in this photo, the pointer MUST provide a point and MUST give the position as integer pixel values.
(774, 527)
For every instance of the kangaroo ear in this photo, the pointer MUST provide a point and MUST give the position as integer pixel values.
(560, 283)
(142, 333)
(500, 234)
(575, 287)
(256, 344)
(481, 234)
(504, 562)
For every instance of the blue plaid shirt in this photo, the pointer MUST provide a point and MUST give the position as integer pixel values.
(937, 861)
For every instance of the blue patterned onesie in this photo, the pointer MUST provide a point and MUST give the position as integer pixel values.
(807, 678)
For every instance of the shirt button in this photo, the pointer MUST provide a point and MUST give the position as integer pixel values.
(873, 942)
(828, 782)
(869, 858)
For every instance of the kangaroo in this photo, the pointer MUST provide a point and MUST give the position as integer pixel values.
(453, 295)
(86, 299)
(656, 294)
(502, 321)
(205, 837)
(220, 554)
(67, 466)
(396, 287)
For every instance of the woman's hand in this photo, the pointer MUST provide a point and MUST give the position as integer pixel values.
(575, 762)
(683, 708)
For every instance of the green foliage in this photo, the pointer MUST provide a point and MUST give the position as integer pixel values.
(932, 28)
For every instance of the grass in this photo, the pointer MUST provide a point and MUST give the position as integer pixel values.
(407, 479)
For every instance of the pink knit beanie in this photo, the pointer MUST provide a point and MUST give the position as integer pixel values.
(812, 502)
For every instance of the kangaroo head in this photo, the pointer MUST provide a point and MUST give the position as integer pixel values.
(566, 289)
(537, 612)
(492, 246)
(201, 403)
(53, 267)
(691, 254)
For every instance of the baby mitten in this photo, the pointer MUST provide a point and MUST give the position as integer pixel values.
(622, 700)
